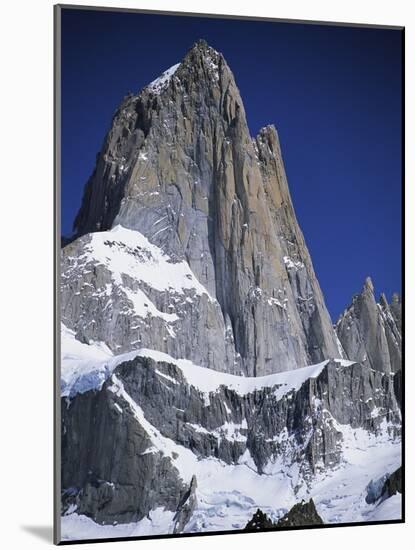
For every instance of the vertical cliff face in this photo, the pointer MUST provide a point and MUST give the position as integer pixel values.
(156, 429)
(180, 167)
(370, 332)
(396, 309)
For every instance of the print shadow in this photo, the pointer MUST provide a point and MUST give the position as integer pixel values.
(43, 532)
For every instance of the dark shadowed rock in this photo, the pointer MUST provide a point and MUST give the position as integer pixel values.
(259, 521)
(111, 461)
(186, 507)
(384, 487)
(393, 484)
(397, 384)
(301, 514)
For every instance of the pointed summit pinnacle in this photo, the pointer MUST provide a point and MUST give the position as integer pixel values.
(201, 43)
(368, 285)
(201, 50)
(202, 46)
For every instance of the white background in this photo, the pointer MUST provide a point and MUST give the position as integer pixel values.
(26, 229)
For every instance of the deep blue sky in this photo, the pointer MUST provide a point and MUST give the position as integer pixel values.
(334, 94)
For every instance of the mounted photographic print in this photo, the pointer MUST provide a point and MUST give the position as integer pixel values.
(229, 274)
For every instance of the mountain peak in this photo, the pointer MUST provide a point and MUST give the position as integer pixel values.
(179, 167)
(269, 135)
(368, 284)
(160, 83)
(371, 332)
(201, 53)
(203, 47)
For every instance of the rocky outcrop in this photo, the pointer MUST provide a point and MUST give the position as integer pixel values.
(370, 332)
(148, 421)
(108, 470)
(396, 310)
(186, 507)
(386, 486)
(398, 388)
(119, 289)
(302, 514)
(391, 317)
(393, 484)
(179, 166)
(259, 521)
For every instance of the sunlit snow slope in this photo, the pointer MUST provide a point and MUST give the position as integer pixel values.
(230, 489)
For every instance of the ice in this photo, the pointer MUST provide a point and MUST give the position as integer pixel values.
(209, 381)
(142, 306)
(160, 83)
(167, 377)
(340, 494)
(292, 264)
(276, 302)
(228, 495)
(85, 366)
(374, 488)
(158, 521)
(88, 369)
(342, 353)
(229, 431)
(127, 252)
(213, 67)
(160, 220)
(161, 230)
(390, 508)
(72, 349)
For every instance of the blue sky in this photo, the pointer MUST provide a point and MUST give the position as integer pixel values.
(334, 94)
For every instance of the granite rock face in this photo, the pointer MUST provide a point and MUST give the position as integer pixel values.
(119, 289)
(393, 484)
(149, 423)
(396, 309)
(301, 514)
(259, 521)
(179, 166)
(186, 507)
(371, 332)
(386, 486)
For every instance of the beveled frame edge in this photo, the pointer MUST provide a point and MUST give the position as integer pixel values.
(56, 272)
(228, 16)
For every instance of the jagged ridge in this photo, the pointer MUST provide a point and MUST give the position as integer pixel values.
(371, 332)
(179, 166)
(174, 419)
